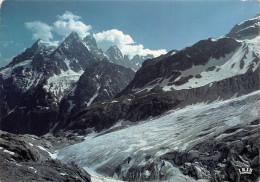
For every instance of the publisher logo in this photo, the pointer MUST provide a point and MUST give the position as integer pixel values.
(245, 170)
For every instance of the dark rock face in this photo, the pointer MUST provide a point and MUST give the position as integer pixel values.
(35, 113)
(92, 45)
(115, 55)
(27, 158)
(101, 81)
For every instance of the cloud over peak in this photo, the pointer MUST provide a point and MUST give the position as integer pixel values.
(40, 30)
(68, 22)
(124, 42)
(108, 38)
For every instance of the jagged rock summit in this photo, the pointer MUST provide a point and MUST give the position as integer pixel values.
(114, 54)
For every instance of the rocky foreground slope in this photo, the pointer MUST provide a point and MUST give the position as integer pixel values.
(30, 158)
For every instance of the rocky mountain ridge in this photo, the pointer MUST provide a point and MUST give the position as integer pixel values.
(212, 69)
(114, 54)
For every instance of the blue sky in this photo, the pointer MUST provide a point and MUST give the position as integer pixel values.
(135, 26)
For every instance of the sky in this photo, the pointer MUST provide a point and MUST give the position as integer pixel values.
(136, 27)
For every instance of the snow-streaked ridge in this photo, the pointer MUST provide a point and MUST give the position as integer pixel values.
(94, 96)
(6, 72)
(235, 63)
(229, 68)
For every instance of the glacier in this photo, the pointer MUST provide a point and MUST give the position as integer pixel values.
(114, 154)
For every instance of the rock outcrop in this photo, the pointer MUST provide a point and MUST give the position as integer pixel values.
(30, 158)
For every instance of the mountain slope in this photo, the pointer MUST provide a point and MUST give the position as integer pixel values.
(101, 81)
(210, 70)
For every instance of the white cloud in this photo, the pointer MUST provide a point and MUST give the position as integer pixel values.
(68, 22)
(40, 30)
(132, 50)
(112, 37)
(64, 25)
(1, 2)
(124, 42)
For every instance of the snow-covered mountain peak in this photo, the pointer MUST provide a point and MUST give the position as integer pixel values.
(139, 59)
(41, 45)
(46, 45)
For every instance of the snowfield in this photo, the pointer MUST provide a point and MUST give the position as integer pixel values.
(58, 84)
(142, 146)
